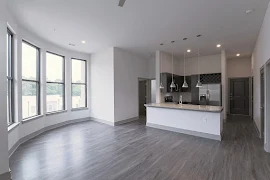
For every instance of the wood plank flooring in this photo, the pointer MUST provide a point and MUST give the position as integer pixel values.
(95, 151)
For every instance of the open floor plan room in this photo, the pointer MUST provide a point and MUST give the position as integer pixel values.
(135, 90)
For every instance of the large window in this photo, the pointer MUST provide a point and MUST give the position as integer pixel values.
(30, 80)
(55, 87)
(10, 106)
(79, 89)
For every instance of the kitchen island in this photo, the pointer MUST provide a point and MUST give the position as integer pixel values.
(197, 120)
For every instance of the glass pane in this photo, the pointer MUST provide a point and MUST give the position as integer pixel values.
(54, 68)
(78, 96)
(55, 100)
(78, 71)
(29, 62)
(9, 52)
(29, 99)
(9, 119)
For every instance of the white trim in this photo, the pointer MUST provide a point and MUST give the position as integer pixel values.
(36, 133)
(188, 132)
(267, 106)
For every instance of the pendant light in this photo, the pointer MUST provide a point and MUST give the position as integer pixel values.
(185, 84)
(161, 84)
(199, 84)
(172, 84)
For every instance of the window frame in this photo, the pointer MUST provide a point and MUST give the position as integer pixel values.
(37, 81)
(10, 77)
(62, 83)
(86, 102)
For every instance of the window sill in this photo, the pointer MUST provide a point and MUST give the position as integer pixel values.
(13, 126)
(79, 109)
(56, 112)
(31, 119)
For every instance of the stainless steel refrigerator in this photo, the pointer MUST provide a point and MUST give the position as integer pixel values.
(210, 94)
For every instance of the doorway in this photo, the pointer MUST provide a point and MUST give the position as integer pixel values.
(142, 97)
(262, 101)
(239, 96)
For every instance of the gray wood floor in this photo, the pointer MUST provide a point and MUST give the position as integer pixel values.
(94, 151)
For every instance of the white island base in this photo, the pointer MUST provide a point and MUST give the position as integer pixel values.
(196, 120)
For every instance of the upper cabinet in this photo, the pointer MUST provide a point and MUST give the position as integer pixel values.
(166, 79)
(214, 78)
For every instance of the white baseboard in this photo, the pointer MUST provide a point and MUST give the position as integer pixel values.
(36, 133)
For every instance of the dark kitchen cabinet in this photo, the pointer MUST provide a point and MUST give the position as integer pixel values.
(166, 79)
(194, 89)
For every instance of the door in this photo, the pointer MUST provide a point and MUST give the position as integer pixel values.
(262, 103)
(239, 96)
(142, 97)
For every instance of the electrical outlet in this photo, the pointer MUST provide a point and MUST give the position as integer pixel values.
(205, 120)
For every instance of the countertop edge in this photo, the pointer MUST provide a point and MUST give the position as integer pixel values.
(183, 108)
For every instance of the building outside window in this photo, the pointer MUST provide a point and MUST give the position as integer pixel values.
(30, 80)
(55, 86)
(10, 78)
(79, 85)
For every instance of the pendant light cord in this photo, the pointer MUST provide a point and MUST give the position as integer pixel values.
(160, 63)
(172, 66)
(199, 76)
(185, 66)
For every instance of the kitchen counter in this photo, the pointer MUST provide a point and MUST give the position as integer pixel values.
(187, 107)
(197, 120)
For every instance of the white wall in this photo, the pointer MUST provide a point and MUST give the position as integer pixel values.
(4, 163)
(239, 67)
(166, 64)
(31, 126)
(260, 55)
(207, 65)
(102, 85)
(224, 82)
(191, 64)
(127, 69)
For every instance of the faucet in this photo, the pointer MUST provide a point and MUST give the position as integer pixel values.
(180, 99)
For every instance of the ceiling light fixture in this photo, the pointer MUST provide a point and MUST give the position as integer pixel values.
(185, 39)
(84, 42)
(185, 84)
(218, 45)
(199, 84)
(172, 83)
(237, 55)
(188, 50)
(161, 86)
(250, 11)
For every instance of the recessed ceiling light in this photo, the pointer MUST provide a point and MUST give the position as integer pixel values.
(218, 45)
(199, 35)
(172, 41)
(185, 39)
(161, 44)
(238, 55)
(188, 50)
(250, 11)
(83, 42)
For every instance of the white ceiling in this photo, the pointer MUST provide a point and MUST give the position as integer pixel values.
(141, 25)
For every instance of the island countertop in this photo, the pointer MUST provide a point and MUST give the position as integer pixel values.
(191, 107)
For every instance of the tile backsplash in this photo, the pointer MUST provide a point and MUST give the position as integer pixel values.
(185, 95)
